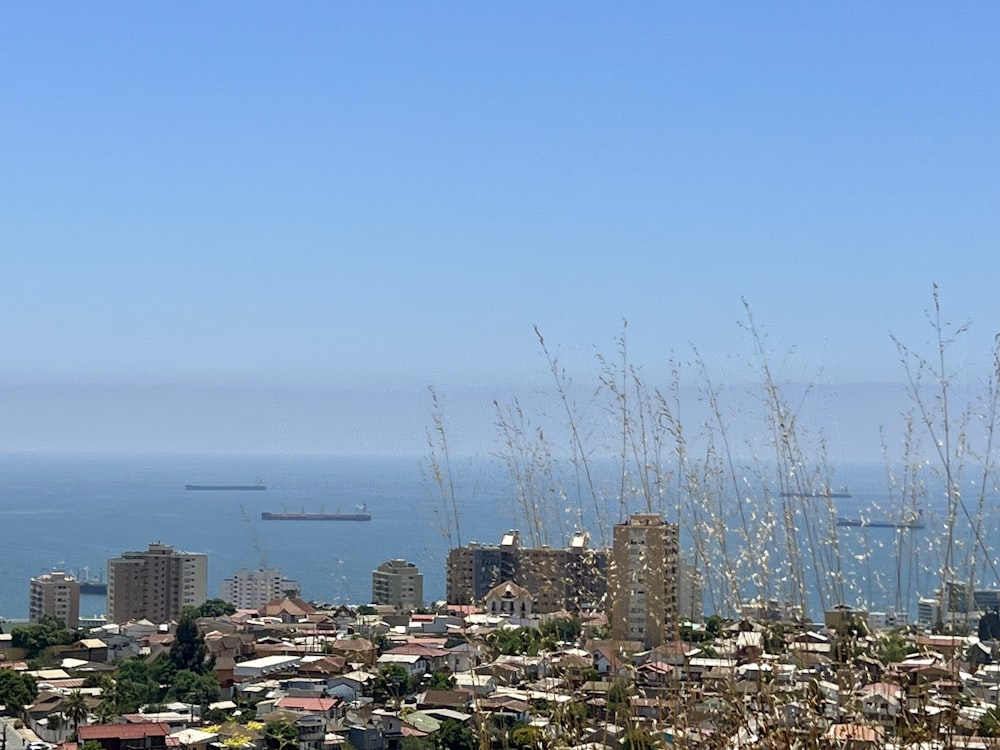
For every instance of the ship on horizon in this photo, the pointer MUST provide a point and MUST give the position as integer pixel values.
(910, 522)
(258, 485)
(822, 492)
(361, 515)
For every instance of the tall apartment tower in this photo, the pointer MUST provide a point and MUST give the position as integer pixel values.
(399, 584)
(642, 580)
(56, 594)
(156, 584)
(252, 589)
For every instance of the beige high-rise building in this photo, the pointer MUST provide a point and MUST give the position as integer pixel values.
(399, 584)
(56, 594)
(642, 580)
(156, 584)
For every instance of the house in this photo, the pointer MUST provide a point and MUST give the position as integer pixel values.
(193, 739)
(510, 600)
(288, 611)
(354, 650)
(327, 708)
(145, 736)
(460, 700)
(854, 736)
(350, 686)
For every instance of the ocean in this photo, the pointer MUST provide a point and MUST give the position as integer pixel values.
(77, 511)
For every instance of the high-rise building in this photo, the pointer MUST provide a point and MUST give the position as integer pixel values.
(252, 589)
(571, 578)
(155, 584)
(399, 584)
(56, 594)
(642, 580)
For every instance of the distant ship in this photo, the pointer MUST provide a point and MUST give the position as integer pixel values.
(916, 522)
(90, 584)
(258, 485)
(93, 586)
(841, 493)
(361, 515)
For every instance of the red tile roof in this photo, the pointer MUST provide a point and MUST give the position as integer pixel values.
(123, 731)
(290, 703)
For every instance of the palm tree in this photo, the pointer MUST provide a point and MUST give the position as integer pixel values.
(75, 708)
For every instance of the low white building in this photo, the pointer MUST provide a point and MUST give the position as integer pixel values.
(257, 668)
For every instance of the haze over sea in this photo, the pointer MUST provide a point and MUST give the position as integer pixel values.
(70, 511)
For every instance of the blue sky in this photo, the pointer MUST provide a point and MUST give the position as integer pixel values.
(334, 196)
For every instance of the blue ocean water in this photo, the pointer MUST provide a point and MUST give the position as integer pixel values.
(71, 511)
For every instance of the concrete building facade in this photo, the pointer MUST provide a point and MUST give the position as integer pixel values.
(56, 594)
(571, 578)
(399, 584)
(252, 589)
(643, 580)
(155, 584)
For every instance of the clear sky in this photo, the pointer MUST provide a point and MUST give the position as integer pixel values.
(320, 197)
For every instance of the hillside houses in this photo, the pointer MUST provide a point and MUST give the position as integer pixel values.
(753, 684)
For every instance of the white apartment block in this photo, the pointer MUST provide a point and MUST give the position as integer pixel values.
(252, 589)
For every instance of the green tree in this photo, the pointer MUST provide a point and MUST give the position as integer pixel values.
(212, 608)
(16, 690)
(92, 745)
(638, 739)
(619, 699)
(37, 637)
(441, 681)
(188, 649)
(134, 686)
(200, 689)
(527, 737)
(417, 743)
(561, 629)
(281, 735)
(75, 708)
(892, 647)
(392, 682)
(454, 736)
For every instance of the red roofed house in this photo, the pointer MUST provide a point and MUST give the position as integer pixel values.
(328, 708)
(146, 736)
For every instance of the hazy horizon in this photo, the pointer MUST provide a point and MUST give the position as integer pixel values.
(242, 227)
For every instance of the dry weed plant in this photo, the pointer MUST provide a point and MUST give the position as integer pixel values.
(758, 518)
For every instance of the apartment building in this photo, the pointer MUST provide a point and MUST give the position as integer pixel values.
(155, 584)
(399, 584)
(570, 578)
(56, 594)
(643, 580)
(252, 589)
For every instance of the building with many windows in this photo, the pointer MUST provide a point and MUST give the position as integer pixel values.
(572, 578)
(252, 589)
(155, 584)
(56, 594)
(643, 580)
(399, 584)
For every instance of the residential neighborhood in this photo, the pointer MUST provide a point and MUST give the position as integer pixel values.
(293, 675)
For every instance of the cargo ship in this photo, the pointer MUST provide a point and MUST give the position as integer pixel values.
(914, 522)
(841, 493)
(90, 584)
(258, 485)
(361, 515)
